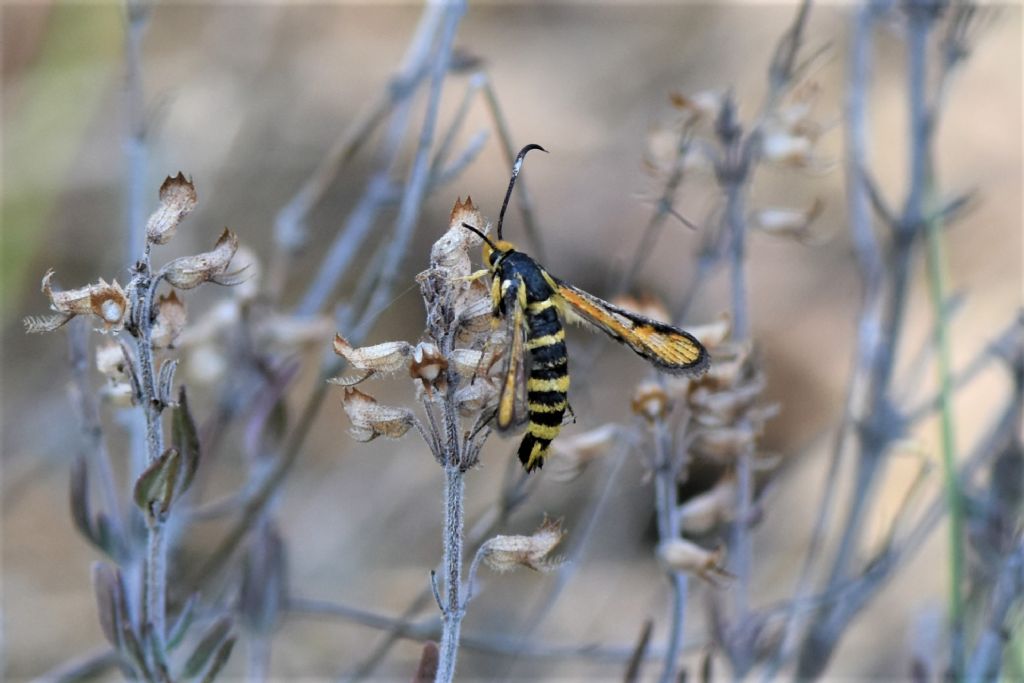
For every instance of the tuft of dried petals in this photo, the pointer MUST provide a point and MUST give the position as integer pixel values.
(370, 419)
(188, 272)
(428, 365)
(681, 555)
(170, 320)
(505, 553)
(110, 360)
(177, 199)
(788, 222)
(108, 302)
(650, 401)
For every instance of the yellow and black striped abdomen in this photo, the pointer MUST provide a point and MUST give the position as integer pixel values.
(548, 383)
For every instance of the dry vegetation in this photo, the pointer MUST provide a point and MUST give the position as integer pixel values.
(238, 522)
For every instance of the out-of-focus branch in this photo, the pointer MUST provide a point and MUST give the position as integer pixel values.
(1009, 589)
(136, 154)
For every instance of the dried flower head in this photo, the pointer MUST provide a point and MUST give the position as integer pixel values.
(170, 320)
(452, 250)
(707, 510)
(188, 272)
(428, 365)
(370, 419)
(110, 360)
(177, 199)
(787, 222)
(385, 358)
(108, 302)
(504, 553)
(650, 401)
(679, 554)
(572, 454)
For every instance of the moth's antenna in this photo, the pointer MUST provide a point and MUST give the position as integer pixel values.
(487, 239)
(511, 183)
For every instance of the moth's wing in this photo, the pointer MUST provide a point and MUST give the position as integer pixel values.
(670, 349)
(512, 399)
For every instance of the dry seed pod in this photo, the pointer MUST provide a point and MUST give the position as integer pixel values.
(384, 358)
(188, 272)
(170, 320)
(724, 444)
(287, 332)
(704, 512)
(110, 360)
(476, 396)
(108, 302)
(427, 365)
(371, 419)
(572, 454)
(451, 251)
(471, 363)
(725, 406)
(650, 401)
(679, 554)
(118, 393)
(788, 222)
(177, 199)
(504, 553)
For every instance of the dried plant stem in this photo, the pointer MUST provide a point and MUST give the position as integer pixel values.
(452, 610)
(938, 288)
(495, 645)
(666, 470)
(154, 569)
(135, 151)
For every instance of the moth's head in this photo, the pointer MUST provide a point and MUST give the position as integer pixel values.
(494, 251)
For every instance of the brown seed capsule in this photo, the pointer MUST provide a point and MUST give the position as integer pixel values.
(370, 419)
(705, 511)
(110, 360)
(177, 199)
(504, 553)
(451, 252)
(108, 302)
(211, 266)
(679, 554)
(650, 401)
(385, 358)
(170, 320)
(428, 365)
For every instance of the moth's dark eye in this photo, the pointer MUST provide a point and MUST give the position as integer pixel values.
(494, 256)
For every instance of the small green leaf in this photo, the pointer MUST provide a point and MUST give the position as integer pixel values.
(152, 484)
(220, 659)
(186, 439)
(106, 587)
(207, 646)
(178, 629)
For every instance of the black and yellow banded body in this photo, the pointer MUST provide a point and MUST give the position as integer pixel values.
(530, 300)
(525, 295)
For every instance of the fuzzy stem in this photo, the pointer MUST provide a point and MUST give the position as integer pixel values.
(453, 609)
(666, 502)
(154, 584)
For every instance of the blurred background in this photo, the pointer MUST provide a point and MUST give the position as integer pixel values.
(246, 100)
